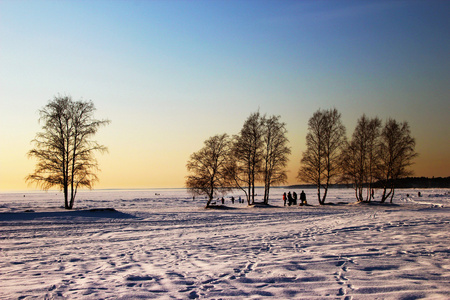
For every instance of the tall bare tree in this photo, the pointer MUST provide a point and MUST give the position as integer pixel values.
(248, 150)
(360, 158)
(64, 149)
(396, 153)
(320, 163)
(275, 155)
(209, 168)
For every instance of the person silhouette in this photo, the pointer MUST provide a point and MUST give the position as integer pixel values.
(303, 198)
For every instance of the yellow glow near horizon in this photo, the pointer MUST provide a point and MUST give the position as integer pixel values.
(146, 166)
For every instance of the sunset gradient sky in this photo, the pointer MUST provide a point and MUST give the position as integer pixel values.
(170, 74)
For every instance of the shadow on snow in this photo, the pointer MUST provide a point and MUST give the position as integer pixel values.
(88, 213)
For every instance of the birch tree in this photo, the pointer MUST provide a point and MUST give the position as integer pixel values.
(320, 163)
(209, 168)
(275, 155)
(64, 149)
(360, 158)
(396, 153)
(247, 154)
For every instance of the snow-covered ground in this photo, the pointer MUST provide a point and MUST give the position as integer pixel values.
(163, 244)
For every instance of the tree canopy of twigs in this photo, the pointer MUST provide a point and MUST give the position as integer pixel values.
(64, 149)
(208, 168)
(320, 163)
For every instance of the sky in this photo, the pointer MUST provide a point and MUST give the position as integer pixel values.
(171, 74)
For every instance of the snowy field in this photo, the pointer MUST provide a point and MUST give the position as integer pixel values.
(163, 244)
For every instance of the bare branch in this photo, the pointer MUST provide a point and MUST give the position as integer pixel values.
(64, 152)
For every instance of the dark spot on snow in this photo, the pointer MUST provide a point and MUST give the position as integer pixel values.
(263, 293)
(102, 209)
(380, 268)
(74, 259)
(138, 278)
(313, 279)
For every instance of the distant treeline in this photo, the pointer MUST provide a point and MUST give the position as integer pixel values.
(403, 183)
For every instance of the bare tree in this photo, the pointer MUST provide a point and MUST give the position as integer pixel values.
(396, 153)
(275, 156)
(209, 168)
(247, 155)
(359, 161)
(64, 149)
(320, 163)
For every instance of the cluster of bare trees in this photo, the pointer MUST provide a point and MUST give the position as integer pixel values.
(258, 154)
(378, 153)
(375, 153)
(64, 149)
(325, 142)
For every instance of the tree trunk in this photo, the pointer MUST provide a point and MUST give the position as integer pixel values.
(325, 194)
(208, 203)
(210, 197)
(266, 195)
(385, 195)
(318, 193)
(72, 198)
(66, 196)
(392, 196)
(253, 193)
(72, 195)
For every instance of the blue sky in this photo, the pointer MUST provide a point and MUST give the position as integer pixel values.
(170, 74)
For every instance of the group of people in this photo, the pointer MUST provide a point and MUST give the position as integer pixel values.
(291, 199)
(240, 200)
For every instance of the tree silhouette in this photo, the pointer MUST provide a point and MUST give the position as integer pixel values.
(320, 163)
(64, 149)
(360, 158)
(395, 153)
(247, 154)
(275, 155)
(209, 168)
